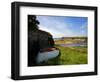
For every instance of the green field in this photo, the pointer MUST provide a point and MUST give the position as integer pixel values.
(69, 56)
(73, 55)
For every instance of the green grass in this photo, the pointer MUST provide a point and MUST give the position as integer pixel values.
(73, 55)
(69, 56)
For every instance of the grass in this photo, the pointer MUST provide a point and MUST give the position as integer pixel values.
(73, 55)
(69, 56)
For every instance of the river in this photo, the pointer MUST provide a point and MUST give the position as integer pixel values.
(73, 44)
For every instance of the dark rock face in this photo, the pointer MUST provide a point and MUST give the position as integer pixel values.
(45, 40)
(37, 40)
(33, 48)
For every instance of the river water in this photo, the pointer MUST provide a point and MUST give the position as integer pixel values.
(73, 44)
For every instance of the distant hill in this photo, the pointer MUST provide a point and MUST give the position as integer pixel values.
(57, 38)
(62, 38)
(70, 40)
(78, 37)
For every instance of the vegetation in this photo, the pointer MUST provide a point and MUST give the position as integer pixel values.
(70, 55)
(70, 40)
(73, 55)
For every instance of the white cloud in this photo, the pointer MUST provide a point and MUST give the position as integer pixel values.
(58, 27)
(84, 26)
(57, 33)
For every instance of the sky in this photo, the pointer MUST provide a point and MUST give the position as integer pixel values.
(63, 26)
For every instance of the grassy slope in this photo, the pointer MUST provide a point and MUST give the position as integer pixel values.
(69, 56)
(73, 55)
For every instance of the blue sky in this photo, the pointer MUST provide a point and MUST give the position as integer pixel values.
(64, 26)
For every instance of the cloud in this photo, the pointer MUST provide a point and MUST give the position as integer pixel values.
(58, 27)
(57, 33)
(84, 26)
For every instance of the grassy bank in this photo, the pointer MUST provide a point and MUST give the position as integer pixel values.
(73, 55)
(69, 56)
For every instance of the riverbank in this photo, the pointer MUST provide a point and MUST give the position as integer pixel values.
(71, 40)
(73, 55)
(70, 56)
(73, 51)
